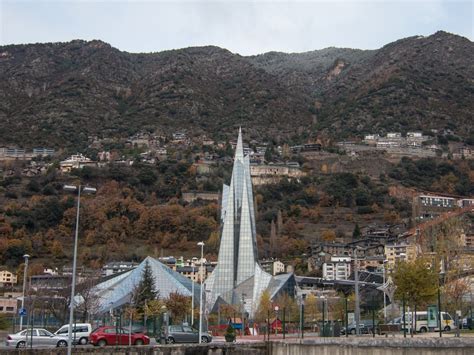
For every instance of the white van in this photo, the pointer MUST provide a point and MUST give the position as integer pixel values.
(420, 323)
(80, 332)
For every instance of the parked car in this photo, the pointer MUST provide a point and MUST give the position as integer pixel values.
(467, 323)
(365, 327)
(420, 322)
(184, 334)
(80, 332)
(35, 338)
(103, 336)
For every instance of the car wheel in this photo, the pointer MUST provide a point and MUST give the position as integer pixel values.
(138, 342)
(102, 342)
(83, 341)
(423, 330)
(20, 344)
(353, 331)
(61, 344)
(171, 340)
(204, 340)
(447, 328)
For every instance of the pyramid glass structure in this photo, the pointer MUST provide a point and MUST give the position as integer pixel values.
(117, 291)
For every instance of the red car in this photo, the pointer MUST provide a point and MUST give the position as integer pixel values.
(103, 336)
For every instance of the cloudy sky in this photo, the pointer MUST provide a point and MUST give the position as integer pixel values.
(245, 27)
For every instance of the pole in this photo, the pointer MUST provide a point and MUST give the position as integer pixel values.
(302, 315)
(25, 275)
(404, 321)
(439, 314)
(268, 326)
(384, 299)
(73, 284)
(357, 300)
(200, 294)
(373, 317)
(346, 319)
(192, 298)
(243, 310)
(284, 322)
(324, 319)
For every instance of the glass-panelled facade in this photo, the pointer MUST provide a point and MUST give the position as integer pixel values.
(237, 252)
(238, 275)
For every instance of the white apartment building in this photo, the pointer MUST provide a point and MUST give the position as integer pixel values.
(7, 278)
(338, 269)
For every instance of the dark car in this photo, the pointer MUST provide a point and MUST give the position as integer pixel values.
(103, 336)
(184, 334)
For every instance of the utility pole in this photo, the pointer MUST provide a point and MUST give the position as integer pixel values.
(25, 275)
(357, 300)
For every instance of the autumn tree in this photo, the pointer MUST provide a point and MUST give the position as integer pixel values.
(416, 282)
(178, 305)
(264, 306)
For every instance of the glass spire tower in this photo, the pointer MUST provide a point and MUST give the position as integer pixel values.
(237, 258)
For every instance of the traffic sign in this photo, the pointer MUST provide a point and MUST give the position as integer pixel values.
(22, 312)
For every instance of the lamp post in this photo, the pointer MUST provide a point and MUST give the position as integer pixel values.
(276, 309)
(25, 275)
(323, 298)
(357, 300)
(78, 189)
(384, 299)
(440, 281)
(201, 244)
(243, 315)
(164, 310)
(192, 297)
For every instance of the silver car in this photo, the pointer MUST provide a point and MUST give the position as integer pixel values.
(184, 334)
(36, 338)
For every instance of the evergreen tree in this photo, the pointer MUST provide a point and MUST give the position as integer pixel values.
(273, 240)
(146, 289)
(356, 234)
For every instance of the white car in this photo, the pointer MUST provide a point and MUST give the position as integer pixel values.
(35, 337)
(80, 332)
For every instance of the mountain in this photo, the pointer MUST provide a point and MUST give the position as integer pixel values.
(59, 94)
(416, 83)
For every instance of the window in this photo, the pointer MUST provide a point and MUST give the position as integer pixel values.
(188, 329)
(1, 308)
(109, 331)
(44, 333)
(63, 331)
(446, 316)
(175, 328)
(10, 309)
(422, 317)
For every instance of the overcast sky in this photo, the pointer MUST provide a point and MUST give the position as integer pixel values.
(245, 27)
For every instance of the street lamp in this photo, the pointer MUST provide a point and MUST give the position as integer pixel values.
(86, 190)
(357, 300)
(201, 244)
(384, 299)
(192, 295)
(243, 311)
(440, 281)
(25, 275)
(276, 309)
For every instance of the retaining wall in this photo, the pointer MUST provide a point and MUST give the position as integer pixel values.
(319, 346)
(386, 346)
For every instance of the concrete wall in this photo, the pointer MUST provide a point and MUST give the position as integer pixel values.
(387, 346)
(320, 346)
(204, 349)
